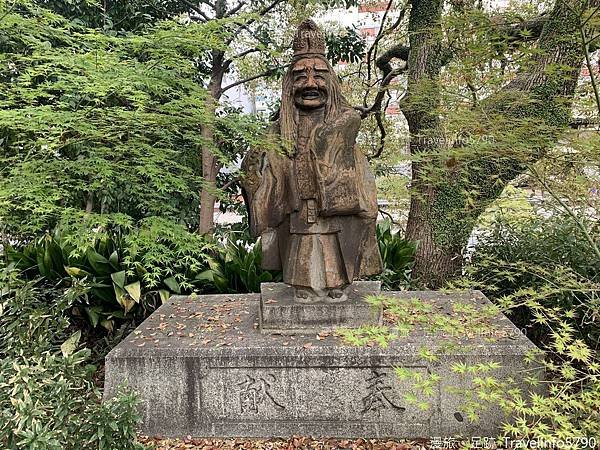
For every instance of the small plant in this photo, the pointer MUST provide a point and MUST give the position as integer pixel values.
(398, 256)
(544, 275)
(237, 267)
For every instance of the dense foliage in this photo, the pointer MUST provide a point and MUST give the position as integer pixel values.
(47, 396)
(120, 274)
(96, 124)
(544, 274)
(101, 107)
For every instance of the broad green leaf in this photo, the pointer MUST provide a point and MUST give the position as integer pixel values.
(114, 260)
(206, 275)
(70, 345)
(128, 303)
(172, 284)
(119, 278)
(98, 262)
(108, 324)
(93, 315)
(76, 272)
(120, 294)
(164, 295)
(134, 290)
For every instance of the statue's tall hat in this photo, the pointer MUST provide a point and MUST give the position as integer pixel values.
(309, 40)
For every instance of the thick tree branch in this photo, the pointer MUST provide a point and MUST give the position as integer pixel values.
(389, 73)
(383, 88)
(246, 52)
(399, 51)
(230, 183)
(525, 31)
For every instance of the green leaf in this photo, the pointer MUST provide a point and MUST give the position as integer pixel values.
(98, 262)
(172, 284)
(113, 259)
(70, 345)
(119, 278)
(76, 272)
(206, 275)
(93, 315)
(108, 324)
(164, 295)
(134, 290)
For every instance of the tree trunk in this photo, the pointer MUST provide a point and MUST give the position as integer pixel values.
(210, 164)
(421, 109)
(441, 218)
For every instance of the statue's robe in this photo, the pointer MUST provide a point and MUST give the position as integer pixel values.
(315, 210)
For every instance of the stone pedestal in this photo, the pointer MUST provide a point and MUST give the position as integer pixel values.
(202, 368)
(280, 313)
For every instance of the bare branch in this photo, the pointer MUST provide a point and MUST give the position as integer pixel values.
(383, 88)
(266, 10)
(389, 73)
(230, 183)
(196, 9)
(382, 135)
(377, 39)
(372, 52)
(246, 52)
(235, 9)
(266, 73)
(388, 215)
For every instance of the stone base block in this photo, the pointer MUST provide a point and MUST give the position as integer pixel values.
(280, 313)
(202, 368)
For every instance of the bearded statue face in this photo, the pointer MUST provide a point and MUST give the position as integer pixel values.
(310, 87)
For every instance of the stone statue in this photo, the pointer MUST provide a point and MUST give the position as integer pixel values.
(313, 200)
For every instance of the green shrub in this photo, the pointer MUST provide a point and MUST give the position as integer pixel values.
(398, 256)
(119, 273)
(237, 267)
(544, 274)
(47, 397)
(535, 255)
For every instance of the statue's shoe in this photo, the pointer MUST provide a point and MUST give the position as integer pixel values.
(336, 296)
(306, 296)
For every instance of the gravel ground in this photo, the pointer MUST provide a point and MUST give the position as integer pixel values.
(284, 444)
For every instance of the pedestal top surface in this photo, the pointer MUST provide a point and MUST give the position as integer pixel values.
(228, 324)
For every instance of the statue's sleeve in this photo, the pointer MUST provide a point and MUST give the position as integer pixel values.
(346, 185)
(265, 189)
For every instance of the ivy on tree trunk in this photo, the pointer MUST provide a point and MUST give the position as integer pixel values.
(449, 194)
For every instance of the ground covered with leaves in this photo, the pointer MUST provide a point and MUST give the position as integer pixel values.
(284, 444)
